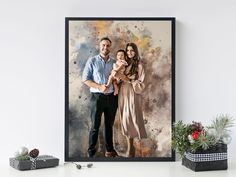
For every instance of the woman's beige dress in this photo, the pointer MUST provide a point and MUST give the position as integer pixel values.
(130, 106)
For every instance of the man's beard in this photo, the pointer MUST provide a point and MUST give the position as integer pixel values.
(106, 52)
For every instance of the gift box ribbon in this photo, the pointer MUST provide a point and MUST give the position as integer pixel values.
(206, 157)
(34, 160)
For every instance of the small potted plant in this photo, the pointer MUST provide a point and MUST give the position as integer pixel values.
(203, 148)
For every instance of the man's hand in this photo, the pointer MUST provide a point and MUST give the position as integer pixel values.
(103, 88)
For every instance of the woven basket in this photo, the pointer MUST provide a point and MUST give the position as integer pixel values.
(214, 158)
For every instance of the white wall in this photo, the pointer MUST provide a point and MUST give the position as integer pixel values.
(32, 42)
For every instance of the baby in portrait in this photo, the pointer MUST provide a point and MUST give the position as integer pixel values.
(119, 66)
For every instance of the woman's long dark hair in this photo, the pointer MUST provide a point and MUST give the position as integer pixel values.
(133, 61)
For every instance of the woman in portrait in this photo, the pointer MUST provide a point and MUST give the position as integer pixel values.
(130, 101)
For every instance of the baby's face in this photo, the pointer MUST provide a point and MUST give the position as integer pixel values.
(120, 56)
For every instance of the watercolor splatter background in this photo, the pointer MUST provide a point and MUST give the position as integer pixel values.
(153, 39)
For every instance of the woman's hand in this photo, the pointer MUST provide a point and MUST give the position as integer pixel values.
(113, 73)
(122, 77)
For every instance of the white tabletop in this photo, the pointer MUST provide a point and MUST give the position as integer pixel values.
(118, 169)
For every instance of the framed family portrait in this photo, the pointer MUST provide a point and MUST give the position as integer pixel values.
(119, 88)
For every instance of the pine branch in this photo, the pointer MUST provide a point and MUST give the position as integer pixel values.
(221, 126)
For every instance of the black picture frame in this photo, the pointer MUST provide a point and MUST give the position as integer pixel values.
(155, 37)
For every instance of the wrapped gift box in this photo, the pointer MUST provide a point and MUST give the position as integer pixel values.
(42, 161)
(214, 158)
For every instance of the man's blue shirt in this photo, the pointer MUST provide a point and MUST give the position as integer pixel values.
(97, 70)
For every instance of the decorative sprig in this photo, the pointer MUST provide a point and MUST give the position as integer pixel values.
(219, 129)
(180, 134)
(191, 137)
(23, 157)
